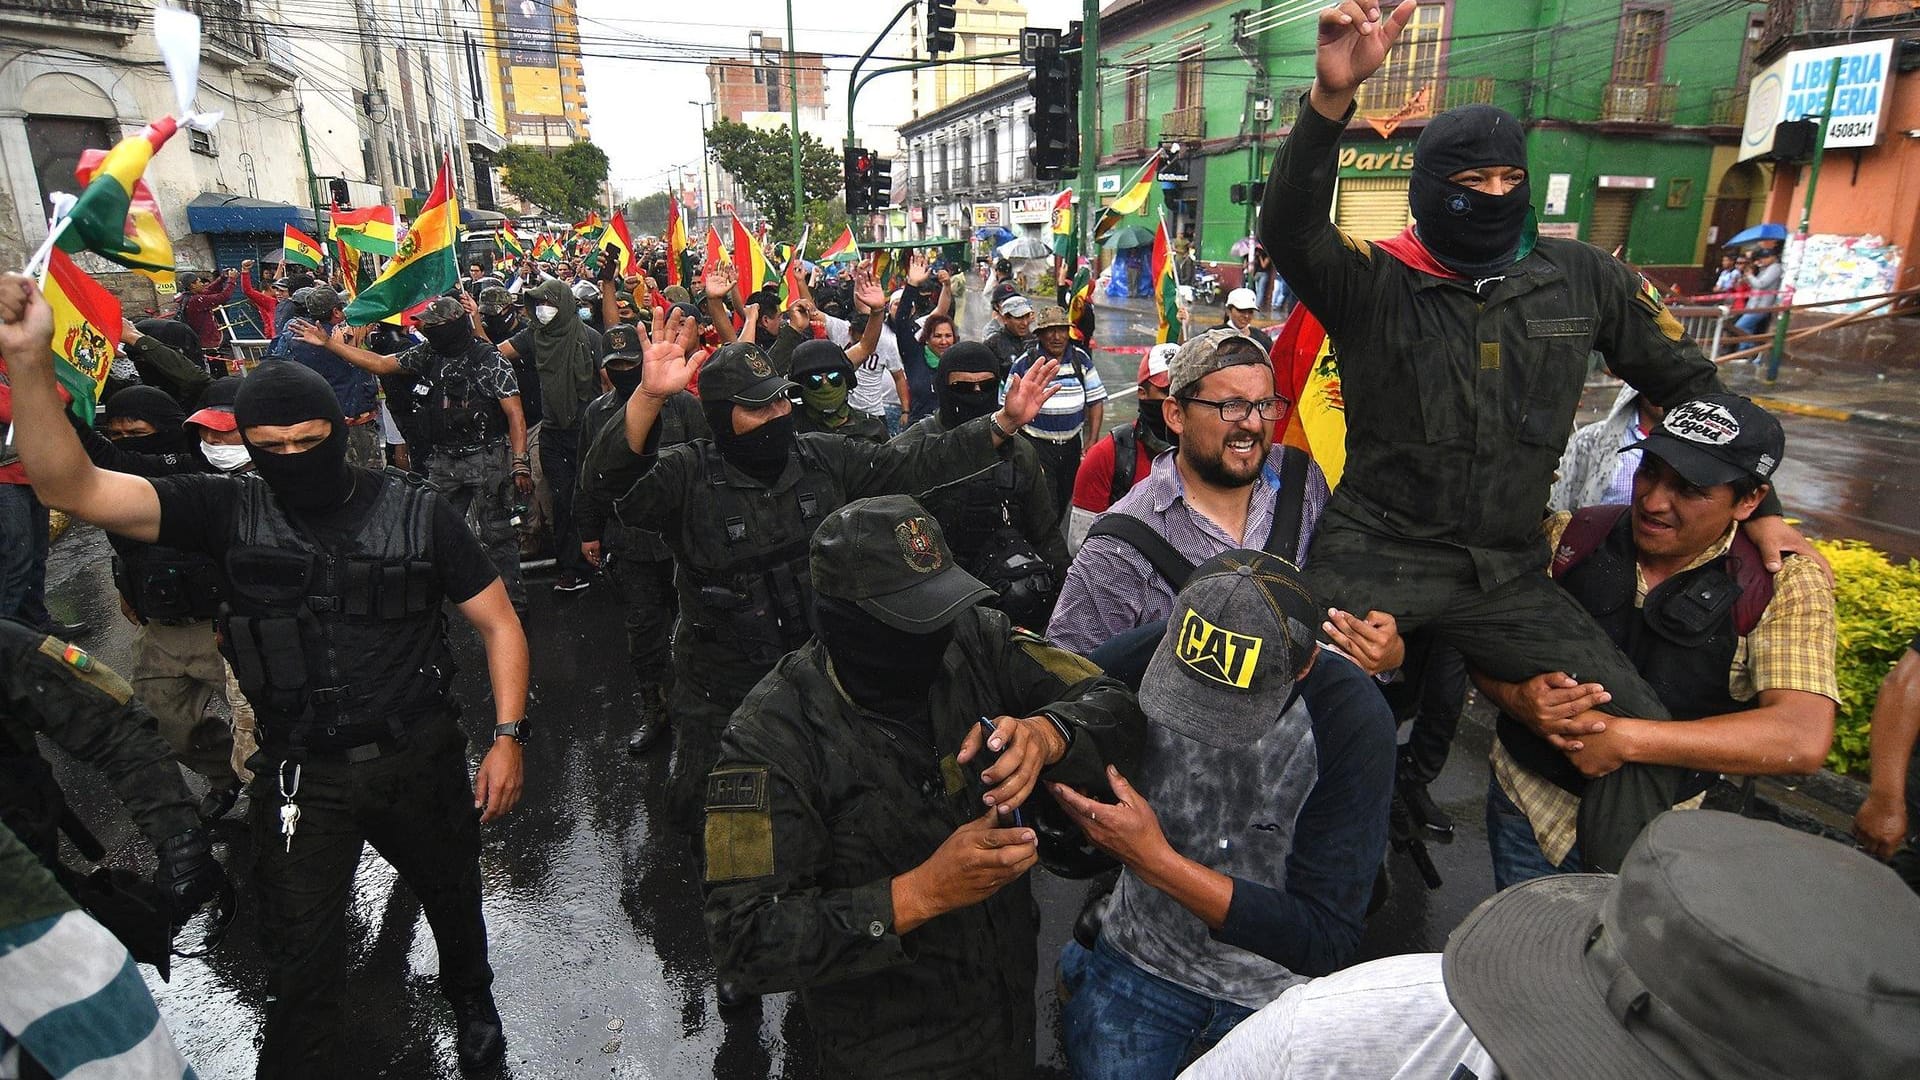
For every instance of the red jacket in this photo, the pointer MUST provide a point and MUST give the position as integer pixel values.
(197, 311)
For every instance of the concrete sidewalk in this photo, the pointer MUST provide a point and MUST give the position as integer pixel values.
(1846, 396)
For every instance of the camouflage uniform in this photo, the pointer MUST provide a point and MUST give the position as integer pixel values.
(479, 485)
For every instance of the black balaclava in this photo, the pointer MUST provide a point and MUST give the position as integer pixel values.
(889, 679)
(1153, 421)
(818, 356)
(1470, 232)
(964, 402)
(176, 335)
(761, 453)
(450, 338)
(502, 326)
(280, 393)
(625, 381)
(156, 408)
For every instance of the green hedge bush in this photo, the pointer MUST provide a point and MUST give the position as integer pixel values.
(1877, 612)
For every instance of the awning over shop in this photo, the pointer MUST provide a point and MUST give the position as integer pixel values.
(213, 212)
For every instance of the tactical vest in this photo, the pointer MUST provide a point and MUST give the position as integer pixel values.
(977, 518)
(164, 584)
(1681, 640)
(460, 417)
(753, 589)
(1126, 455)
(336, 645)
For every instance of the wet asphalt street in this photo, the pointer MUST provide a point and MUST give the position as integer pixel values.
(593, 915)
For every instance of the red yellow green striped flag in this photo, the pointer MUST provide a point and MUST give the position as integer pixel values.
(86, 331)
(1132, 199)
(616, 236)
(676, 242)
(116, 216)
(546, 249)
(1063, 224)
(591, 225)
(425, 264)
(1080, 307)
(844, 249)
(509, 244)
(299, 248)
(1166, 289)
(793, 286)
(1308, 370)
(749, 259)
(716, 254)
(371, 230)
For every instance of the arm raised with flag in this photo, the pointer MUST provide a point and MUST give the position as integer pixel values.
(63, 477)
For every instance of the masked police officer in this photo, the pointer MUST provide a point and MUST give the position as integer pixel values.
(638, 564)
(847, 852)
(737, 511)
(335, 627)
(1002, 523)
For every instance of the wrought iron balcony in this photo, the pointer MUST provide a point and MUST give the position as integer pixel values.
(1638, 103)
(82, 15)
(1187, 125)
(1130, 136)
(1729, 107)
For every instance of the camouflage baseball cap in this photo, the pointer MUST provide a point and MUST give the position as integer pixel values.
(442, 310)
(322, 302)
(494, 300)
(888, 555)
(742, 374)
(1050, 316)
(623, 342)
(1221, 347)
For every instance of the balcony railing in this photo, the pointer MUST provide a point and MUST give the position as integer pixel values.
(1130, 136)
(79, 14)
(1403, 101)
(1638, 103)
(1188, 124)
(962, 177)
(990, 172)
(224, 25)
(1729, 107)
(1286, 105)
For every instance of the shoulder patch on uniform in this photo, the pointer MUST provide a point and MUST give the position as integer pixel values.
(1648, 300)
(1356, 245)
(82, 667)
(1068, 667)
(739, 830)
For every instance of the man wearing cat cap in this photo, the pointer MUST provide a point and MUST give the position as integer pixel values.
(1463, 345)
(335, 628)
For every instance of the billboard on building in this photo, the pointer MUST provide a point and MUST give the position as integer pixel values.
(530, 34)
(1794, 87)
(1030, 209)
(536, 91)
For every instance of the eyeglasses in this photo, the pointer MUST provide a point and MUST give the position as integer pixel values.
(1234, 410)
(818, 379)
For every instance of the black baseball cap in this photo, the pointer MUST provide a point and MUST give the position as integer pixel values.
(623, 342)
(888, 555)
(742, 374)
(1717, 439)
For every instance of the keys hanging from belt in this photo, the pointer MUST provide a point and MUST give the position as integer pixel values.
(290, 813)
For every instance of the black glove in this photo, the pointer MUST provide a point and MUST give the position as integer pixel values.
(188, 873)
(609, 264)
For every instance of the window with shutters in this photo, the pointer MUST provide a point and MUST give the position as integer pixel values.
(1640, 51)
(1191, 88)
(1137, 92)
(1418, 60)
(1612, 221)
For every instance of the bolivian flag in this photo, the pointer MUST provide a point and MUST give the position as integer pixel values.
(793, 285)
(299, 248)
(749, 258)
(546, 249)
(116, 216)
(1166, 288)
(843, 249)
(1308, 370)
(1063, 224)
(616, 236)
(589, 226)
(676, 242)
(1080, 307)
(1131, 201)
(509, 244)
(716, 254)
(370, 230)
(86, 331)
(425, 264)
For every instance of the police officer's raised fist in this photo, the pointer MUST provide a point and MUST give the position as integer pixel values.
(26, 322)
(1355, 36)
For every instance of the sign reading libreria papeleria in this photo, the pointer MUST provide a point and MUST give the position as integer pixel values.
(1794, 87)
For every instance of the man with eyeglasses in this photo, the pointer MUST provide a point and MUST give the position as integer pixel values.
(1217, 490)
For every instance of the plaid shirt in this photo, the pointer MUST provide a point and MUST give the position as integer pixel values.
(1791, 648)
(1112, 588)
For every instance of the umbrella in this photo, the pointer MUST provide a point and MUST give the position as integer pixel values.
(1026, 247)
(1765, 231)
(1244, 247)
(998, 234)
(1130, 236)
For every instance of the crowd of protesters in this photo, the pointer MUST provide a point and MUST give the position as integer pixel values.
(917, 622)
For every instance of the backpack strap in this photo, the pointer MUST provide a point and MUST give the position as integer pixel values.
(1749, 571)
(1284, 538)
(1584, 535)
(1166, 561)
(1126, 439)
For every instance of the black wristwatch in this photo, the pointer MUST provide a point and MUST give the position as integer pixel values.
(517, 731)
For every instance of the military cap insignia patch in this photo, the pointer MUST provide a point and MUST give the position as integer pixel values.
(917, 545)
(757, 365)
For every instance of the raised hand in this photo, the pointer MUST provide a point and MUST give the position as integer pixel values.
(1354, 41)
(720, 279)
(866, 289)
(917, 269)
(671, 360)
(1030, 390)
(26, 323)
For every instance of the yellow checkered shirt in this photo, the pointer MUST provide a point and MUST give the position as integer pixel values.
(1791, 648)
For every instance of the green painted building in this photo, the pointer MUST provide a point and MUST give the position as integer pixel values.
(1632, 108)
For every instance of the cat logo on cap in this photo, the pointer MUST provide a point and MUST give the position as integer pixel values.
(1216, 653)
(917, 545)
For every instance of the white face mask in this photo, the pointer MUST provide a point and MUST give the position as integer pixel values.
(544, 313)
(225, 457)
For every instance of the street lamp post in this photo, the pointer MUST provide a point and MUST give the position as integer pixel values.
(706, 182)
(793, 104)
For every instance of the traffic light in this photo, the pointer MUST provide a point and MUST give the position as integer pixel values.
(879, 183)
(857, 171)
(940, 20)
(1054, 129)
(337, 188)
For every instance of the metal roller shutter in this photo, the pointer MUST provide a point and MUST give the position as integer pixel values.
(1612, 218)
(1372, 207)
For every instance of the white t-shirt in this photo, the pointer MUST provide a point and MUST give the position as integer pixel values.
(1384, 1020)
(873, 390)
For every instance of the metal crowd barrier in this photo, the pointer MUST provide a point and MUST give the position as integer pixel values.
(1705, 324)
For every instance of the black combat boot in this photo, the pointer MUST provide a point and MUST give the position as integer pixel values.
(653, 719)
(732, 995)
(479, 1040)
(1426, 813)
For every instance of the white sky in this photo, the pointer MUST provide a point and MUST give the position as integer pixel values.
(640, 108)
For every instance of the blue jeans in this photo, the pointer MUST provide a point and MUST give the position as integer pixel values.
(891, 414)
(1516, 852)
(23, 556)
(1752, 323)
(1123, 1022)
